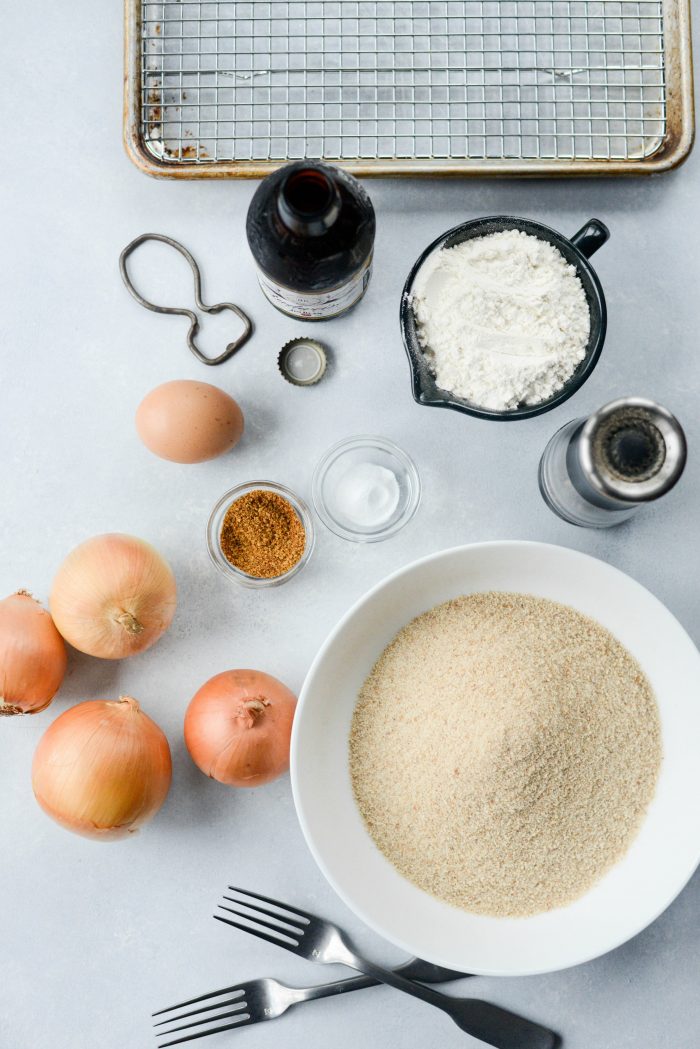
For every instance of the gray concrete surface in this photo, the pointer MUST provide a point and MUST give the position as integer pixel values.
(94, 937)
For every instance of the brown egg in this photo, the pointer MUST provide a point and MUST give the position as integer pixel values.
(189, 422)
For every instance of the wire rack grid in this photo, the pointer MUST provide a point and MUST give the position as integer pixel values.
(249, 81)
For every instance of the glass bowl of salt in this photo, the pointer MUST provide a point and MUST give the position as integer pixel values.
(365, 489)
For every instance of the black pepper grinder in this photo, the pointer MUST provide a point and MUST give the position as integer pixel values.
(597, 472)
(311, 230)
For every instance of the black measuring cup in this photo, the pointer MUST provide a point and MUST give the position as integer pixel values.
(577, 250)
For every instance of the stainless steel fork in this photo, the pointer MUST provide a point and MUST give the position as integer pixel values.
(266, 999)
(322, 941)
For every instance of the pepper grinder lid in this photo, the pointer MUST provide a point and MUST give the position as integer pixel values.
(632, 450)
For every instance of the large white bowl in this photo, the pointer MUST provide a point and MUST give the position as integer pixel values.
(662, 857)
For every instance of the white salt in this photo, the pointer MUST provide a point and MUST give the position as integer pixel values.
(367, 495)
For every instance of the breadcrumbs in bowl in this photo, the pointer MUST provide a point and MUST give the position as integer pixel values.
(503, 753)
(665, 849)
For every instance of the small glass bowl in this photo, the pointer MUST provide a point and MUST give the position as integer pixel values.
(214, 533)
(362, 449)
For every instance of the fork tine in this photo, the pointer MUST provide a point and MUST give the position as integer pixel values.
(241, 1010)
(290, 934)
(238, 1001)
(257, 932)
(283, 925)
(275, 903)
(203, 1034)
(193, 1001)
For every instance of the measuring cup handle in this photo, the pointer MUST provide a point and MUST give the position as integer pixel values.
(590, 237)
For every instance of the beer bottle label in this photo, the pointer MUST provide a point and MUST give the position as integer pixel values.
(319, 305)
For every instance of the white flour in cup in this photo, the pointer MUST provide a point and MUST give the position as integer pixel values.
(503, 319)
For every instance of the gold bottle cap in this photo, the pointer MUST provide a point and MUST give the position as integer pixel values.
(302, 361)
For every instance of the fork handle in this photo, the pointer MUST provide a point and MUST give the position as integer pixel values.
(395, 978)
(482, 1020)
(359, 983)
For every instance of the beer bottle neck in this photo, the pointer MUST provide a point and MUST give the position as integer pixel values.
(308, 202)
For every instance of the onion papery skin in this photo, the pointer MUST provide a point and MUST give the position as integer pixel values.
(113, 596)
(238, 728)
(102, 769)
(33, 656)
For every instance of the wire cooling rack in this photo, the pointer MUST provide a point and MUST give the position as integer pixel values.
(236, 87)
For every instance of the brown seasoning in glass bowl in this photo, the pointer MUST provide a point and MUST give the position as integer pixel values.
(262, 535)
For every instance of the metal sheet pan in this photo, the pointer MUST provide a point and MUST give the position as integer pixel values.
(234, 88)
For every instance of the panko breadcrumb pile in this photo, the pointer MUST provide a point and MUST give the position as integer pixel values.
(503, 751)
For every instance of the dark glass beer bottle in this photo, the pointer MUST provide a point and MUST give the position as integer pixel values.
(311, 230)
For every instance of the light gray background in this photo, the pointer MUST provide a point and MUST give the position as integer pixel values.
(94, 937)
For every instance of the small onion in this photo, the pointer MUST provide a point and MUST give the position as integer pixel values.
(32, 656)
(102, 769)
(238, 728)
(113, 596)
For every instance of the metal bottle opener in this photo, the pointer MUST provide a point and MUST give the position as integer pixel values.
(194, 323)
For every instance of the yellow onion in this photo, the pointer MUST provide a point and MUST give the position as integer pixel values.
(102, 769)
(113, 596)
(238, 727)
(32, 656)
